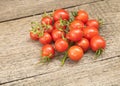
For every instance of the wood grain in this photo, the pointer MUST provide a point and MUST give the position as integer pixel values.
(102, 73)
(13, 9)
(19, 55)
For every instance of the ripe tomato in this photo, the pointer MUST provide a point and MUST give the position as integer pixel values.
(56, 34)
(82, 16)
(48, 28)
(75, 53)
(45, 39)
(84, 44)
(97, 42)
(90, 32)
(61, 45)
(47, 20)
(75, 34)
(58, 25)
(67, 36)
(34, 36)
(48, 51)
(76, 24)
(60, 14)
(93, 23)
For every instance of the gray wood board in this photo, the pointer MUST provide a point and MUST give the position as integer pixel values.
(14, 9)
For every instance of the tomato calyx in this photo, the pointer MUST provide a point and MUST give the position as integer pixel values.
(37, 29)
(98, 53)
(45, 59)
(47, 14)
(73, 14)
(100, 21)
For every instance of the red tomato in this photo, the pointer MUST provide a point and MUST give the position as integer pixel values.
(97, 42)
(61, 45)
(82, 16)
(90, 32)
(45, 39)
(48, 51)
(48, 28)
(34, 36)
(93, 23)
(46, 20)
(75, 34)
(59, 26)
(56, 34)
(67, 36)
(76, 24)
(84, 44)
(60, 14)
(75, 53)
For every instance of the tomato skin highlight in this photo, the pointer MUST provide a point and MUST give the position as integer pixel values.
(82, 16)
(90, 32)
(61, 45)
(48, 51)
(47, 20)
(75, 34)
(76, 24)
(45, 39)
(75, 53)
(93, 23)
(57, 34)
(60, 14)
(84, 44)
(34, 36)
(97, 43)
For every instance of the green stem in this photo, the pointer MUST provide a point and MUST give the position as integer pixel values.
(64, 58)
(66, 54)
(98, 53)
(100, 22)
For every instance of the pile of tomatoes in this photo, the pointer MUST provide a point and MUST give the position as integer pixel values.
(70, 34)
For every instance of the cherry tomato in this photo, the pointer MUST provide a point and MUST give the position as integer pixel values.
(45, 39)
(58, 25)
(67, 36)
(82, 16)
(61, 45)
(75, 34)
(34, 36)
(75, 53)
(93, 23)
(60, 14)
(48, 51)
(76, 24)
(84, 44)
(56, 34)
(97, 42)
(90, 32)
(48, 28)
(47, 20)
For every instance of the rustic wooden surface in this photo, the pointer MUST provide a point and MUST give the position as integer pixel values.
(19, 54)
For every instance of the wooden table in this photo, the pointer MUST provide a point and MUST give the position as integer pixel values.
(19, 54)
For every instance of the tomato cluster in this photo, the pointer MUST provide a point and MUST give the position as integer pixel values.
(69, 33)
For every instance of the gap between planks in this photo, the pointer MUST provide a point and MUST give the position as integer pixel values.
(49, 11)
(111, 58)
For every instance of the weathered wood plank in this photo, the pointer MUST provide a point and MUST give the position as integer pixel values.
(102, 73)
(114, 5)
(18, 54)
(11, 9)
